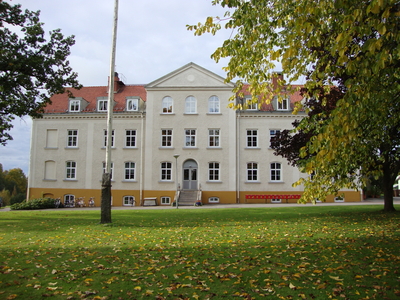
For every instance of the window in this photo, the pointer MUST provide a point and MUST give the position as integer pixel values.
(51, 138)
(252, 171)
(250, 105)
(283, 104)
(70, 170)
(166, 171)
(112, 138)
(190, 137)
(130, 138)
(252, 138)
(50, 170)
(339, 199)
(112, 169)
(69, 200)
(276, 172)
(276, 200)
(132, 104)
(213, 171)
(272, 134)
(213, 138)
(128, 200)
(190, 105)
(213, 105)
(167, 104)
(72, 138)
(213, 200)
(166, 138)
(102, 104)
(129, 170)
(74, 105)
(165, 200)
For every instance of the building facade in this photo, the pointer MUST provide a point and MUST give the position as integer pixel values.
(176, 132)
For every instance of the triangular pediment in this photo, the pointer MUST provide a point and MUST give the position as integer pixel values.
(190, 76)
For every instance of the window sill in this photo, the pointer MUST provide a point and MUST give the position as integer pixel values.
(213, 181)
(130, 148)
(190, 114)
(166, 148)
(166, 181)
(209, 113)
(129, 181)
(252, 182)
(112, 148)
(252, 148)
(167, 114)
(68, 180)
(71, 148)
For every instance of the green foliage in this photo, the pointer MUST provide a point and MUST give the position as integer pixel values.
(41, 203)
(6, 196)
(31, 68)
(15, 179)
(17, 198)
(304, 252)
(355, 43)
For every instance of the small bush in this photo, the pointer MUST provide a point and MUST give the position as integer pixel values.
(41, 203)
(17, 198)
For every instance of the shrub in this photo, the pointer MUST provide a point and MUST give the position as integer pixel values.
(17, 198)
(41, 203)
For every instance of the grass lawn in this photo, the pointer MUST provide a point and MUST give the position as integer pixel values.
(306, 252)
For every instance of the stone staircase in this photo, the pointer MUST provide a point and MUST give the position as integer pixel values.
(187, 197)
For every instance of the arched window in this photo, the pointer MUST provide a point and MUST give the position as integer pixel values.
(190, 105)
(213, 105)
(167, 104)
(129, 200)
(69, 200)
(213, 200)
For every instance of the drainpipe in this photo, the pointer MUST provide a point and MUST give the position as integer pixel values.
(142, 129)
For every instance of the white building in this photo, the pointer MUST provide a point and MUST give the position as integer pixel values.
(224, 155)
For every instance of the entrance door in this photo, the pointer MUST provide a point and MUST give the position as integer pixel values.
(190, 175)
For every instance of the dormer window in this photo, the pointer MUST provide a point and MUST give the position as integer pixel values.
(102, 105)
(250, 104)
(74, 105)
(283, 103)
(132, 104)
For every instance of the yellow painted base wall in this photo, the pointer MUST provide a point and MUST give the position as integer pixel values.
(225, 197)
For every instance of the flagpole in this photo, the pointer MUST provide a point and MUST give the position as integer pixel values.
(106, 180)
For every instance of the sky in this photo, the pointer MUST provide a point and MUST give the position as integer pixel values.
(152, 41)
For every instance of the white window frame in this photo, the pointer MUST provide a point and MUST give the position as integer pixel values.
(214, 138)
(70, 170)
(214, 171)
(74, 105)
(70, 199)
(339, 199)
(276, 173)
(249, 105)
(132, 104)
(72, 138)
(112, 169)
(283, 103)
(214, 105)
(166, 138)
(166, 171)
(112, 138)
(190, 105)
(190, 138)
(130, 138)
(272, 134)
(251, 138)
(167, 106)
(276, 200)
(252, 172)
(213, 200)
(126, 200)
(102, 105)
(129, 171)
(165, 200)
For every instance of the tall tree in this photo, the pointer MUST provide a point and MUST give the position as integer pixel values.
(356, 42)
(31, 68)
(16, 179)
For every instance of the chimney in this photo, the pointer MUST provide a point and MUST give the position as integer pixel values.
(117, 83)
(276, 78)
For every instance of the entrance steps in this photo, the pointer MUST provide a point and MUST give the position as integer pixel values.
(187, 197)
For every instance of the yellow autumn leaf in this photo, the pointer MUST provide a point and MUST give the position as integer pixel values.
(292, 286)
(137, 288)
(335, 278)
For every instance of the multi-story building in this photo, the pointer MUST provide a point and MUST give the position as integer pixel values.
(176, 132)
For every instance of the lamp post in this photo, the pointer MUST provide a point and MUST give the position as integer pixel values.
(176, 177)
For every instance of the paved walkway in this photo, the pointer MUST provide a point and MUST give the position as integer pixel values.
(365, 202)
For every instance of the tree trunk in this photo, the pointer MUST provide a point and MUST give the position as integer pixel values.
(387, 186)
(106, 199)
